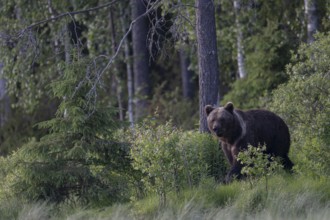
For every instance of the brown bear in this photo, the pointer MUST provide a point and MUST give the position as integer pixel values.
(237, 129)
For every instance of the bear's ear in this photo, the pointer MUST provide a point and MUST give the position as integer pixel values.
(208, 109)
(229, 107)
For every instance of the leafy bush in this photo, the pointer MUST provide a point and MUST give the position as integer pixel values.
(305, 105)
(171, 159)
(257, 163)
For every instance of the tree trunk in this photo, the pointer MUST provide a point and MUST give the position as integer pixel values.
(188, 87)
(312, 19)
(207, 59)
(115, 78)
(141, 58)
(130, 88)
(239, 39)
(67, 52)
(4, 100)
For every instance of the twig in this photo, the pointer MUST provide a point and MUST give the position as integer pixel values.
(52, 18)
(120, 45)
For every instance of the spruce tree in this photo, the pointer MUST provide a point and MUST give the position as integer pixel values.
(78, 159)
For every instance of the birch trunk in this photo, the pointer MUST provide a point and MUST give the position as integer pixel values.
(239, 39)
(311, 18)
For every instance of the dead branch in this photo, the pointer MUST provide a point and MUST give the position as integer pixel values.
(112, 58)
(57, 17)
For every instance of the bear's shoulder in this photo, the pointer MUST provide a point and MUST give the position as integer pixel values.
(260, 113)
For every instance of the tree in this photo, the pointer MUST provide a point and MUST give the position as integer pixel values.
(207, 59)
(4, 100)
(116, 84)
(187, 74)
(140, 57)
(311, 18)
(239, 39)
(304, 104)
(130, 86)
(79, 159)
(268, 40)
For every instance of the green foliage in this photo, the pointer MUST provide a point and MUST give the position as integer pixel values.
(152, 154)
(20, 128)
(28, 66)
(267, 44)
(171, 159)
(78, 160)
(305, 105)
(31, 59)
(257, 164)
(182, 112)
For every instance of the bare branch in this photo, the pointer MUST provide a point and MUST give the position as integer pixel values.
(52, 18)
(112, 58)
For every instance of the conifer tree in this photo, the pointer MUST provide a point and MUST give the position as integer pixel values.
(79, 158)
(207, 58)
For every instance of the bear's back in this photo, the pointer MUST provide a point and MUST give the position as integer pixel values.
(265, 127)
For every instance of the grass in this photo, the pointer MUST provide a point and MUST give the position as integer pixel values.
(287, 197)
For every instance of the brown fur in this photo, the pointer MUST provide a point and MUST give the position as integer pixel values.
(237, 129)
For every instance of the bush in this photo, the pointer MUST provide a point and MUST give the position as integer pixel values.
(171, 159)
(257, 163)
(305, 105)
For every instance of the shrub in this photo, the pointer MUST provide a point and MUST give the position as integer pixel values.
(305, 105)
(171, 159)
(257, 164)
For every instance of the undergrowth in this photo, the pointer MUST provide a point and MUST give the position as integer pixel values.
(288, 197)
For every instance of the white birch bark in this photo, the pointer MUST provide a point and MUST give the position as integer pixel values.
(311, 18)
(239, 40)
(67, 51)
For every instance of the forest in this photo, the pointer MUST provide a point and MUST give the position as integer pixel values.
(102, 107)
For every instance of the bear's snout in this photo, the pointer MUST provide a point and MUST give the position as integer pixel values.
(217, 130)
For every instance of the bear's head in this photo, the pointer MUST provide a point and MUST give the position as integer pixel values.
(221, 120)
